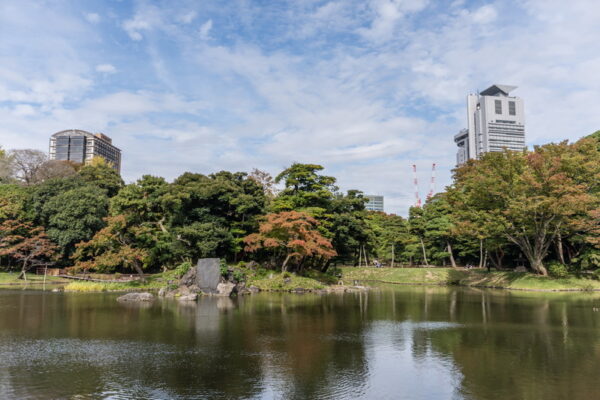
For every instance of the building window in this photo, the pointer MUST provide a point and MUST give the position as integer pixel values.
(511, 108)
(498, 105)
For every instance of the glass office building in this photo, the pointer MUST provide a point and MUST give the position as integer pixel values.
(375, 203)
(81, 147)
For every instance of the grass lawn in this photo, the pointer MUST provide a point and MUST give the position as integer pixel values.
(474, 277)
(10, 279)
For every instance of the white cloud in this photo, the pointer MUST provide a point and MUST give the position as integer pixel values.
(106, 68)
(188, 17)
(144, 20)
(205, 29)
(93, 18)
(485, 14)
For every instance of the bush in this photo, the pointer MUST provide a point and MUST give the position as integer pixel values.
(558, 270)
(182, 269)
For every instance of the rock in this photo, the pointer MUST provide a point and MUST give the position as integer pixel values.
(298, 290)
(183, 290)
(188, 297)
(251, 265)
(189, 278)
(225, 289)
(208, 274)
(253, 289)
(520, 269)
(136, 297)
(194, 289)
(287, 280)
(162, 292)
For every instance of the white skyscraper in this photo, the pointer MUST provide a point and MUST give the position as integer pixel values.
(495, 121)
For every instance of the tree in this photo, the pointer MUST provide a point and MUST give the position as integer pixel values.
(439, 227)
(114, 246)
(53, 169)
(74, 216)
(13, 199)
(5, 166)
(304, 189)
(98, 172)
(26, 164)
(25, 243)
(533, 196)
(291, 236)
(266, 181)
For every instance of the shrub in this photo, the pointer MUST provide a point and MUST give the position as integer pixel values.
(558, 270)
(182, 269)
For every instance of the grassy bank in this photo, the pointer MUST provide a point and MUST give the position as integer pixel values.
(9, 280)
(479, 278)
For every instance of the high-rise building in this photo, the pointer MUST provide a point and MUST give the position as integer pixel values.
(375, 203)
(81, 147)
(495, 121)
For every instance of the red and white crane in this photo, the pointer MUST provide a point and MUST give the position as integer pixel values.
(418, 201)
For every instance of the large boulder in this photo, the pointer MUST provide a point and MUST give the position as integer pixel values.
(133, 297)
(188, 297)
(226, 289)
(520, 269)
(208, 274)
(189, 278)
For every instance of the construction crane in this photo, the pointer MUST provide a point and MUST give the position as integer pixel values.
(432, 182)
(416, 183)
(418, 202)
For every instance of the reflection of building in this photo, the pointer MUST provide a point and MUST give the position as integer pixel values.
(81, 146)
(375, 203)
(495, 121)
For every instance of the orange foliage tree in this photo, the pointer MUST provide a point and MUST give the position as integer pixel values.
(291, 236)
(112, 247)
(25, 243)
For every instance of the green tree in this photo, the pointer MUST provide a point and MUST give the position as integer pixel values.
(74, 216)
(100, 174)
(533, 196)
(305, 189)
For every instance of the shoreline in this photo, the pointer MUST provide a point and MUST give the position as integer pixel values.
(291, 283)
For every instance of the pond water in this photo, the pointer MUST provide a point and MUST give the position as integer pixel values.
(389, 343)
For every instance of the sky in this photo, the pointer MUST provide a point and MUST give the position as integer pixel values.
(365, 88)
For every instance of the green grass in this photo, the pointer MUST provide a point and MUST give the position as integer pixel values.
(10, 279)
(276, 281)
(481, 278)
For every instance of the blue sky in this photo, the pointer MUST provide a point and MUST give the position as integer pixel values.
(366, 88)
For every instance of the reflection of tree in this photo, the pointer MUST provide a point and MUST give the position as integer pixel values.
(516, 346)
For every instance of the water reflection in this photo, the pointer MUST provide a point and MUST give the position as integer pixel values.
(424, 342)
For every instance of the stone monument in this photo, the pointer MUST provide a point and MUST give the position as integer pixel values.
(208, 274)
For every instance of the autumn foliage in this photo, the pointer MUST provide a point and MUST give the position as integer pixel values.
(290, 236)
(25, 243)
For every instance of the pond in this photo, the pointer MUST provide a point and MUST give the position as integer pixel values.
(388, 343)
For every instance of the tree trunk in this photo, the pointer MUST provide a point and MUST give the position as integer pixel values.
(559, 249)
(480, 253)
(23, 274)
(138, 268)
(538, 266)
(452, 261)
(424, 253)
(284, 265)
(392, 265)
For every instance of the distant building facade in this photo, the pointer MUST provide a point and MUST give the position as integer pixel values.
(81, 147)
(495, 121)
(375, 203)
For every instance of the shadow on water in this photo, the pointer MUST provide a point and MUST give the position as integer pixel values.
(401, 342)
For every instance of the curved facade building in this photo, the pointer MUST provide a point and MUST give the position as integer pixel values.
(81, 147)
